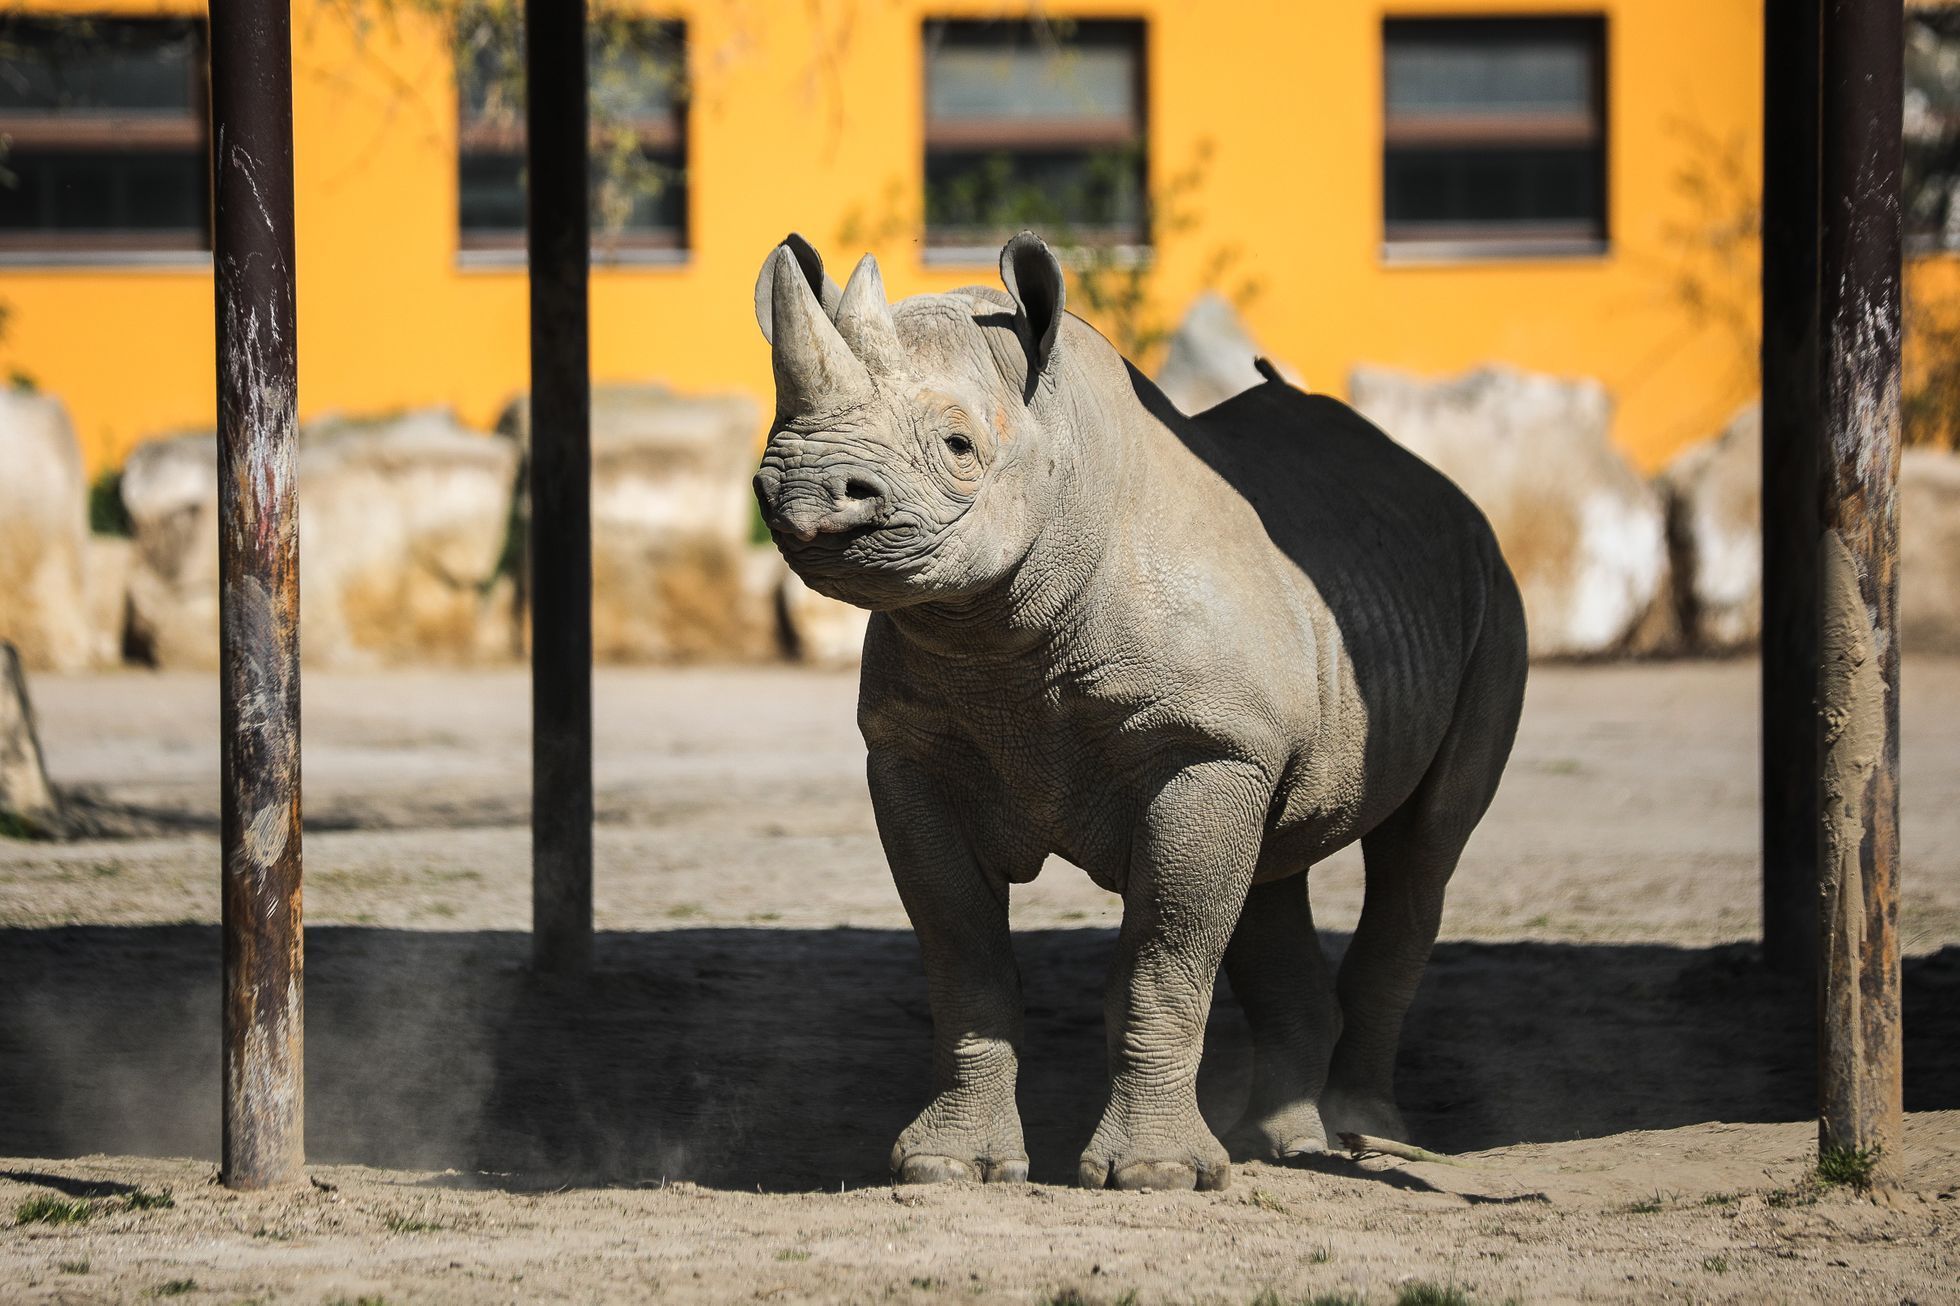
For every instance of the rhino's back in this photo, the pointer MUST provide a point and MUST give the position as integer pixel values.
(1405, 565)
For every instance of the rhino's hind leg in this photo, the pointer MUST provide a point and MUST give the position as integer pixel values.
(1409, 860)
(1280, 976)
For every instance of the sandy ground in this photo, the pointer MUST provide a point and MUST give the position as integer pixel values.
(706, 1118)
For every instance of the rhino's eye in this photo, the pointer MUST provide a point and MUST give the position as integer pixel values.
(960, 445)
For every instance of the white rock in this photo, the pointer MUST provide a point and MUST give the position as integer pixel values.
(1584, 535)
(25, 795)
(43, 533)
(672, 514)
(1714, 493)
(1929, 551)
(1210, 356)
(821, 631)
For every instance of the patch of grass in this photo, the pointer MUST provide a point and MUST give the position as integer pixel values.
(1265, 1201)
(174, 1288)
(15, 826)
(924, 1283)
(74, 1267)
(1847, 1167)
(275, 1235)
(683, 911)
(1066, 1297)
(106, 513)
(1645, 1206)
(1783, 1198)
(410, 1224)
(359, 1301)
(792, 1254)
(105, 870)
(1431, 1294)
(49, 1209)
(1719, 1199)
(764, 917)
(138, 1200)
(1271, 1297)
(1715, 1264)
(1319, 1256)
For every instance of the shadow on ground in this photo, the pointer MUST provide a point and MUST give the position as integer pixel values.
(789, 1059)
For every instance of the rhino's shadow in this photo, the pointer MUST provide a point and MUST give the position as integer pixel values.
(789, 1059)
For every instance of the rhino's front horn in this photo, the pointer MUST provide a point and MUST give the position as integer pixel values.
(815, 370)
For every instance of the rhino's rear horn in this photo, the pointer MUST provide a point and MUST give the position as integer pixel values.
(864, 319)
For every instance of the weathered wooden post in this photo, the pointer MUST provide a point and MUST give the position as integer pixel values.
(1792, 445)
(258, 576)
(560, 243)
(1859, 1089)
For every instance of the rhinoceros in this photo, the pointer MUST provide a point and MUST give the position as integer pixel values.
(1193, 655)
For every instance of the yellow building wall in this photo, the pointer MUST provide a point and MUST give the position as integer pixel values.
(807, 115)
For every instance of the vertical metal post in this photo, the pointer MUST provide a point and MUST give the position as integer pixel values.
(1792, 449)
(258, 577)
(1859, 1087)
(561, 474)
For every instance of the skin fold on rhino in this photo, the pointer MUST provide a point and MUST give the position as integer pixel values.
(1194, 655)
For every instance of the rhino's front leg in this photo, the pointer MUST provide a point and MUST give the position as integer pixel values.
(1191, 864)
(970, 1129)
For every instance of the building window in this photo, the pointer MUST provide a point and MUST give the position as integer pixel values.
(1495, 135)
(637, 79)
(1035, 124)
(103, 125)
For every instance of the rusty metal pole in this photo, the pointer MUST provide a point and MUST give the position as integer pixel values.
(258, 595)
(1792, 450)
(1859, 1086)
(561, 476)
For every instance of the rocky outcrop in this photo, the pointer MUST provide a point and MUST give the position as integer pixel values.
(817, 630)
(43, 534)
(673, 578)
(109, 561)
(1210, 356)
(404, 544)
(1583, 533)
(170, 491)
(1929, 551)
(406, 552)
(27, 801)
(1714, 495)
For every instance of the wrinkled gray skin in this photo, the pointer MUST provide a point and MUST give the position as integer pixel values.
(1192, 655)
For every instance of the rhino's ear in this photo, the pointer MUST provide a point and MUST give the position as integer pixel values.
(1033, 276)
(864, 319)
(811, 264)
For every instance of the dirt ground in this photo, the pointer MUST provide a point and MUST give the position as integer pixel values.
(706, 1118)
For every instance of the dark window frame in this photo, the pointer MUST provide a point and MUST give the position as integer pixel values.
(1010, 135)
(86, 131)
(1591, 130)
(666, 133)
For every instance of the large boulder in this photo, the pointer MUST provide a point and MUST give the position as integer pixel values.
(406, 550)
(673, 577)
(1714, 494)
(819, 631)
(110, 559)
(405, 544)
(1929, 551)
(27, 801)
(170, 491)
(1585, 536)
(1210, 356)
(43, 533)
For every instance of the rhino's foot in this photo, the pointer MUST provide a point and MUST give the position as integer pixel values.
(1275, 1135)
(1160, 1159)
(954, 1141)
(1347, 1112)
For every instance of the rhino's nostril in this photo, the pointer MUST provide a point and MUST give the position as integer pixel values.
(766, 485)
(859, 487)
